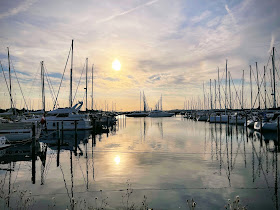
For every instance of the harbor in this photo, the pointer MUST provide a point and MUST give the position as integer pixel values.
(142, 105)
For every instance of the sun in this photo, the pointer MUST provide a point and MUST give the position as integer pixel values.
(116, 65)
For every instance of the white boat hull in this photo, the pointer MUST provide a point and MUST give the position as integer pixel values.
(68, 124)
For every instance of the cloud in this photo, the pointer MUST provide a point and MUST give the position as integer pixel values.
(111, 79)
(163, 48)
(23, 6)
(201, 17)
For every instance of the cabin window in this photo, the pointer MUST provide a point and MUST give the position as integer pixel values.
(62, 115)
(53, 124)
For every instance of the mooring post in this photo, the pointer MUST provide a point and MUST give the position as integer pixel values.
(261, 124)
(62, 130)
(278, 129)
(107, 122)
(33, 154)
(58, 144)
(76, 138)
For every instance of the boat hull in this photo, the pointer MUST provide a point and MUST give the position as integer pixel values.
(217, 119)
(68, 124)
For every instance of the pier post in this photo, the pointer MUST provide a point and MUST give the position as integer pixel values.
(261, 125)
(236, 120)
(62, 131)
(278, 129)
(58, 132)
(33, 155)
(107, 122)
(76, 139)
(58, 143)
(228, 122)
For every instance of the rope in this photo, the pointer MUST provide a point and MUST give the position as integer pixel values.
(79, 81)
(62, 78)
(6, 82)
(19, 86)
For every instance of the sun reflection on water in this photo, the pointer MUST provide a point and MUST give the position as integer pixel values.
(117, 160)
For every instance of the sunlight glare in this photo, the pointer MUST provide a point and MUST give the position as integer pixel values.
(116, 65)
(117, 159)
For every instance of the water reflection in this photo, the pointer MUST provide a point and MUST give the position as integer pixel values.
(170, 160)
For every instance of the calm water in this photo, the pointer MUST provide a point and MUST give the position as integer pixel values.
(169, 160)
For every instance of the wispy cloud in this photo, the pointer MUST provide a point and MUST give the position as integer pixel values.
(201, 17)
(23, 6)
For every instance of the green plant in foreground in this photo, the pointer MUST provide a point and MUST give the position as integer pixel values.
(235, 205)
(191, 204)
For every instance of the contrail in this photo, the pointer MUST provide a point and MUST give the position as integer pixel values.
(126, 12)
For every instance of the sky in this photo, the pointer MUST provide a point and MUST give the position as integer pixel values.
(167, 48)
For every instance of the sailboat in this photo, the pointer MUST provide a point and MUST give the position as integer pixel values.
(14, 130)
(68, 118)
(140, 113)
(158, 111)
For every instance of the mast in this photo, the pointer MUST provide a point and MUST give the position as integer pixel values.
(215, 95)
(161, 102)
(226, 91)
(219, 89)
(264, 84)
(71, 70)
(259, 95)
(274, 89)
(211, 96)
(43, 87)
(86, 81)
(251, 87)
(242, 105)
(10, 80)
(229, 89)
(140, 101)
(144, 102)
(204, 97)
(92, 87)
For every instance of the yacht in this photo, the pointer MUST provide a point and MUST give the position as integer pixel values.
(68, 117)
(267, 124)
(19, 131)
(159, 113)
(137, 114)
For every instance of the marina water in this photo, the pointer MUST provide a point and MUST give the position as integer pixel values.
(167, 160)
